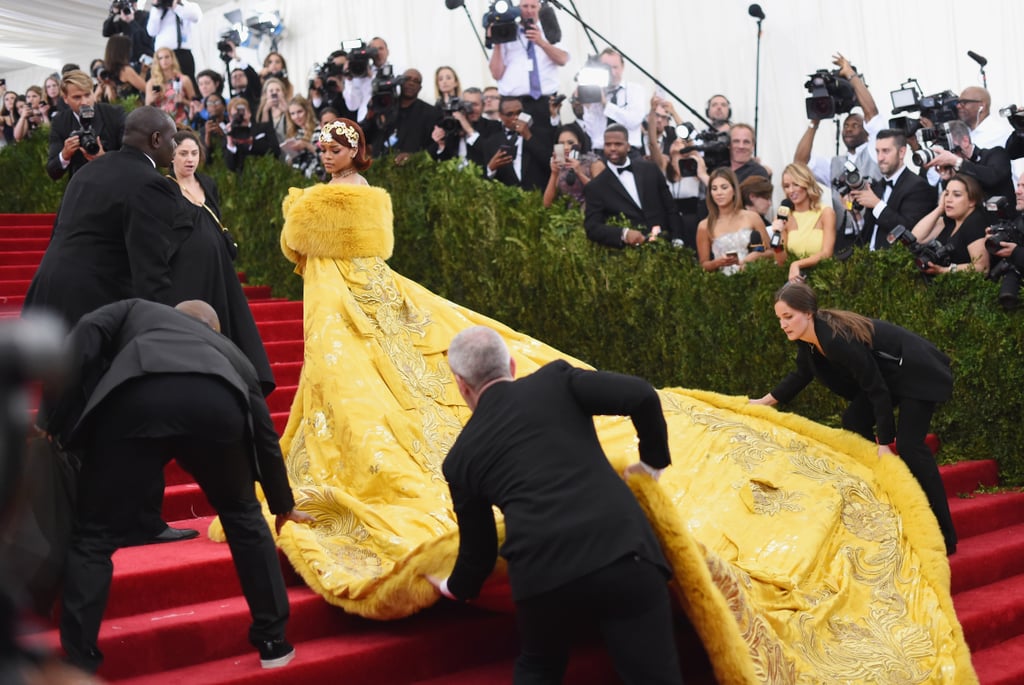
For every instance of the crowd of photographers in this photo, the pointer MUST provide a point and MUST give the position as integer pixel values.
(515, 133)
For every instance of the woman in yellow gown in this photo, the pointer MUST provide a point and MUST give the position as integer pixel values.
(798, 555)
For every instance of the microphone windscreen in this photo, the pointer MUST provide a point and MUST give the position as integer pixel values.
(977, 58)
(453, 4)
(755, 11)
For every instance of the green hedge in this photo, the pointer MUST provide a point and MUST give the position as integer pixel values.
(650, 311)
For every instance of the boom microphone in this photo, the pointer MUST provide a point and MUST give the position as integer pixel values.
(755, 11)
(977, 58)
(453, 4)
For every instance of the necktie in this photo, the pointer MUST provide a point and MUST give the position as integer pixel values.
(615, 95)
(531, 52)
(891, 184)
(622, 170)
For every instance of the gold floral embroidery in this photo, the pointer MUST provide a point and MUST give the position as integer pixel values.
(769, 501)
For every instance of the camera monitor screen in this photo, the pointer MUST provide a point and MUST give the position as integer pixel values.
(905, 97)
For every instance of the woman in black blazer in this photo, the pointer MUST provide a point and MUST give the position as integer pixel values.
(877, 366)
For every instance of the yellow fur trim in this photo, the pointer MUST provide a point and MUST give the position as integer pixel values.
(337, 222)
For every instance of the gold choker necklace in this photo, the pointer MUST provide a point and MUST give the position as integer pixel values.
(346, 172)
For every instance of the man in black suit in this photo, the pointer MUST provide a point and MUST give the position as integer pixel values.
(989, 166)
(405, 129)
(467, 130)
(66, 154)
(636, 189)
(151, 384)
(580, 550)
(244, 139)
(113, 239)
(900, 197)
(517, 155)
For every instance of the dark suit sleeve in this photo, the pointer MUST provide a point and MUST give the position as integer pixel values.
(113, 126)
(672, 222)
(58, 134)
(918, 201)
(594, 217)
(790, 386)
(603, 393)
(269, 460)
(147, 234)
(993, 170)
(1015, 145)
(88, 349)
(478, 538)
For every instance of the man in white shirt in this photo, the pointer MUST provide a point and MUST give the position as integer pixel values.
(358, 89)
(172, 24)
(974, 108)
(527, 67)
(624, 103)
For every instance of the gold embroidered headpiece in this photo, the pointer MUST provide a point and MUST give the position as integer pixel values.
(341, 128)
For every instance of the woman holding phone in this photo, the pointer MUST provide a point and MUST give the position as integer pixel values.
(725, 236)
(877, 366)
(573, 164)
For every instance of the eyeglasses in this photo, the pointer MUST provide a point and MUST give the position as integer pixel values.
(964, 101)
(492, 97)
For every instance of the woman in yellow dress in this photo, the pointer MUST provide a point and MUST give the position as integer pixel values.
(810, 232)
(798, 555)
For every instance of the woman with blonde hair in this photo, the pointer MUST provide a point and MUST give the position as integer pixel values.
(446, 85)
(168, 88)
(809, 234)
(273, 109)
(725, 237)
(300, 150)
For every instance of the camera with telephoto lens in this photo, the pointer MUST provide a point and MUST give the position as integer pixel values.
(101, 73)
(932, 252)
(385, 89)
(449, 124)
(831, 94)
(713, 145)
(239, 129)
(329, 73)
(1015, 117)
(938, 108)
(227, 43)
(1004, 230)
(933, 141)
(359, 57)
(86, 136)
(849, 179)
(122, 6)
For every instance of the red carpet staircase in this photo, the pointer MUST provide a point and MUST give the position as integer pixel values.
(176, 614)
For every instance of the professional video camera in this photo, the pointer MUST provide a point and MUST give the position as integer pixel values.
(592, 81)
(1003, 230)
(386, 89)
(713, 145)
(1015, 117)
(501, 20)
(831, 94)
(849, 179)
(326, 71)
(359, 57)
(449, 124)
(932, 252)
(86, 136)
(122, 6)
(227, 43)
(938, 108)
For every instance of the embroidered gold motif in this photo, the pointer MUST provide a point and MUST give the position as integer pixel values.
(769, 500)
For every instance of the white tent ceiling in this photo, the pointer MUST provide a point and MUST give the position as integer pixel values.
(696, 49)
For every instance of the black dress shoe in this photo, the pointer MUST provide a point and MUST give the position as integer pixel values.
(275, 653)
(169, 534)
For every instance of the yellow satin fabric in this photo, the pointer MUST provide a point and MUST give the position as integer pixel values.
(798, 555)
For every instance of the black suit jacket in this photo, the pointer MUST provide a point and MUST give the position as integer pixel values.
(264, 142)
(531, 449)
(606, 198)
(412, 125)
(991, 168)
(911, 199)
(134, 338)
(114, 238)
(108, 125)
(474, 153)
(897, 364)
(536, 162)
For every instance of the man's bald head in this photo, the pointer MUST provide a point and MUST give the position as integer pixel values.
(201, 311)
(151, 130)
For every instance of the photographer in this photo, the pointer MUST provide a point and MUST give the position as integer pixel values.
(527, 67)
(1007, 256)
(990, 167)
(327, 83)
(358, 89)
(243, 79)
(31, 116)
(958, 223)
(624, 103)
(126, 81)
(517, 155)
(403, 129)
(462, 128)
(244, 139)
(172, 24)
(214, 124)
(126, 20)
(573, 165)
(858, 133)
(83, 131)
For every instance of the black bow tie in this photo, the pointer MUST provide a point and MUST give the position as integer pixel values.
(891, 184)
(622, 170)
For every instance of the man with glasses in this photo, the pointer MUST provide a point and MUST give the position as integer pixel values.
(517, 154)
(462, 141)
(974, 108)
(491, 101)
(405, 129)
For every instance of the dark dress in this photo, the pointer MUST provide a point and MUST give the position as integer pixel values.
(202, 269)
(973, 228)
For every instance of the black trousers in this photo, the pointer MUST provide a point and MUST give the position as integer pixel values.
(540, 110)
(187, 63)
(119, 465)
(628, 600)
(911, 429)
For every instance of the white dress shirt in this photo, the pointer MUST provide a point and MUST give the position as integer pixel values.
(163, 26)
(518, 65)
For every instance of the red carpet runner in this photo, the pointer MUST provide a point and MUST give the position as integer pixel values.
(176, 614)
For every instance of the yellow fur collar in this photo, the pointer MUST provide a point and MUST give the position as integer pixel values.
(337, 221)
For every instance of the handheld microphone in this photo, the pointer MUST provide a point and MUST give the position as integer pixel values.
(977, 58)
(755, 11)
(776, 240)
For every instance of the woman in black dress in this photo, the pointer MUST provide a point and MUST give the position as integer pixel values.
(877, 366)
(203, 264)
(959, 222)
